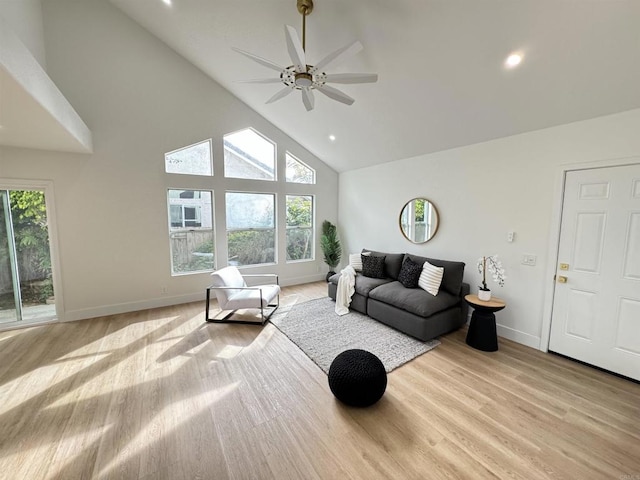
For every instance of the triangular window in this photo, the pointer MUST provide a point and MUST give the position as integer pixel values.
(192, 160)
(298, 172)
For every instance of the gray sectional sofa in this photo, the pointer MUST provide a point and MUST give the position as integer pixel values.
(410, 310)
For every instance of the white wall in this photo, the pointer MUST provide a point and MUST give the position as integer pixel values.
(25, 19)
(482, 192)
(140, 100)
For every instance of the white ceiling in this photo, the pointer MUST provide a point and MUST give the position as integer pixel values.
(441, 84)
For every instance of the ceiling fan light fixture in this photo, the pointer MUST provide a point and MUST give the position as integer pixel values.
(304, 77)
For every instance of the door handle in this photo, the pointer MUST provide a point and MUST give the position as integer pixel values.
(562, 279)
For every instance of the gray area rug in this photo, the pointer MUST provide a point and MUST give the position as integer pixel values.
(321, 334)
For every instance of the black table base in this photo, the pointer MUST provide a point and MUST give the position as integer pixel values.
(482, 331)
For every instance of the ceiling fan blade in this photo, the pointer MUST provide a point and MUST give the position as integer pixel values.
(335, 94)
(350, 49)
(261, 80)
(296, 52)
(260, 60)
(280, 94)
(308, 99)
(352, 78)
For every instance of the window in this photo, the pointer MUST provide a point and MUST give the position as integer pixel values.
(299, 227)
(247, 154)
(298, 172)
(26, 276)
(191, 230)
(192, 160)
(251, 232)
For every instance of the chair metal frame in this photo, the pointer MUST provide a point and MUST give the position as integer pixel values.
(227, 319)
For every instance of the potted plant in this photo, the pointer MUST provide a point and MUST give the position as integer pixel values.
(492, 265)
(330, 245)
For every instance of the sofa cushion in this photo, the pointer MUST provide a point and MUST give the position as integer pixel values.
(453, 272)
(414, 300)
(392, 262)
(373, 267)
(410, 273)
(363, 284)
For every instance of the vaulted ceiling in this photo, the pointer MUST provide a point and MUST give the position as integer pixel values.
(442, 80)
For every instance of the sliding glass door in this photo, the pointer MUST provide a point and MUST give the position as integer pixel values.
(26, 283)
(9, 297)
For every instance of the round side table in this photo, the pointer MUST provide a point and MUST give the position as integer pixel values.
(482, 328)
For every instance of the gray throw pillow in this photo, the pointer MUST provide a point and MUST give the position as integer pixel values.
(373, 267)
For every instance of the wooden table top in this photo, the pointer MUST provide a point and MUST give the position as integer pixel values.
(495, 302)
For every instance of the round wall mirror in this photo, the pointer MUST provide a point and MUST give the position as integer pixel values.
(419, 220)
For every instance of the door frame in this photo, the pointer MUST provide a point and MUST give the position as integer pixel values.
(554, 235)
(47, 187)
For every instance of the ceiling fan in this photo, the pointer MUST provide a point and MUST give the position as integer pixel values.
(304, 77)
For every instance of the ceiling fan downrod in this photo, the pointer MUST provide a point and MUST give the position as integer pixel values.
(305, 7)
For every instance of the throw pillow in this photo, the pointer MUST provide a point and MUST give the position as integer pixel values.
(355, 260)
(431, 278)
(410, 273)
(373, 266)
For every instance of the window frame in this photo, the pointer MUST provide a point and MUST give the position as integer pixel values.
(312, 227)
(287, 154)
(274, 196)
(264, 137)
(187, 230)
(211, 164)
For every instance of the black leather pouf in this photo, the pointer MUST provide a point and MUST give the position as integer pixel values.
(357, 378)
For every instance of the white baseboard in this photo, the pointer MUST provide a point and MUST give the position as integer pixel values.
(82, 314)
(518, 336)
(514, 335)
(73, 315)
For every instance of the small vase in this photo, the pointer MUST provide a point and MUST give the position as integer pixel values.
(484, 295)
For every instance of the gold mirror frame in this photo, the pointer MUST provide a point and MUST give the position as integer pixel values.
(422, 228)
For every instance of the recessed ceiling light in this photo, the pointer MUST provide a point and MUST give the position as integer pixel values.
(332, 138)
(167, 2)
(513, 60)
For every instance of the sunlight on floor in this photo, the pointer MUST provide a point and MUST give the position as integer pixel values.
(229, 351)
(69, 445)
(9, 334)
(150, 434)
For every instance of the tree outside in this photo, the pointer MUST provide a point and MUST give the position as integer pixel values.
(299, 227)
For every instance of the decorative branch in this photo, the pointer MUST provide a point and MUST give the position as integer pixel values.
(493, 266)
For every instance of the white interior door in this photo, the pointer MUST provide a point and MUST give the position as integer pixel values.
(596, 313)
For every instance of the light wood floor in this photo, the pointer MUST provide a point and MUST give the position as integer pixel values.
(159, 394)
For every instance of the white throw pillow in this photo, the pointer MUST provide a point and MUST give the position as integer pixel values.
(355, 260)
(431, 278)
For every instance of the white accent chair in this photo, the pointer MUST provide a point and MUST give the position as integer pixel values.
(233, 294)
